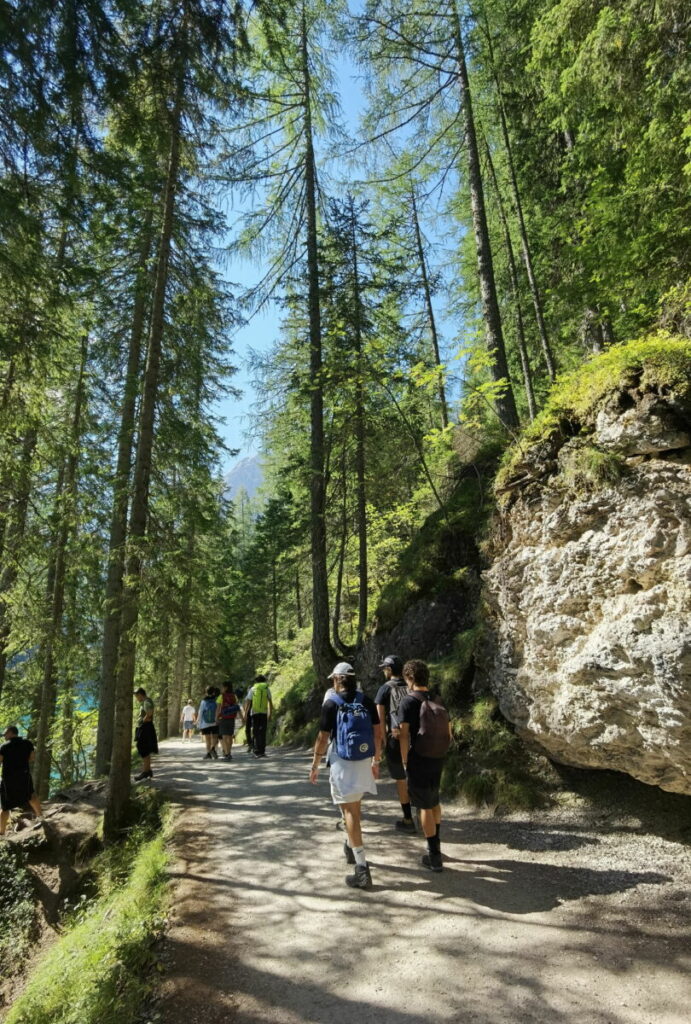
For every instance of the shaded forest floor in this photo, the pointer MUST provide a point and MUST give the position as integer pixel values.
(566, 915)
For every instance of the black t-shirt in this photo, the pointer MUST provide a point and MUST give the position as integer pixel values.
(410, 713)
(327, 722)
(384, 696)
(15, 755)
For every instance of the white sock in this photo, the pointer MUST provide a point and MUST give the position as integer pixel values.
(359, 854)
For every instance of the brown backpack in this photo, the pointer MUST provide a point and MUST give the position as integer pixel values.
(433, 738)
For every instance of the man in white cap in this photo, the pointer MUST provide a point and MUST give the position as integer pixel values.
(350, 718)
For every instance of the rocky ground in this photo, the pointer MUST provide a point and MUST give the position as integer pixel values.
(580, 914)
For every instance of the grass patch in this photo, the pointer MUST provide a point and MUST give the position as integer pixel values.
(490, 766)
(100, 970)
(658, 362)
(17, 909)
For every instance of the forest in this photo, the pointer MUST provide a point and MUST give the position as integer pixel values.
(512, 201)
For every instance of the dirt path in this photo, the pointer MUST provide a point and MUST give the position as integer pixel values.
(531, 921)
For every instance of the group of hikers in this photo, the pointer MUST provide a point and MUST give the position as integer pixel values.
(404, 724)
(413, 733)
(216, 719)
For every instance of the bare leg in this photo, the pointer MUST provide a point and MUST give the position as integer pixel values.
(146, 763)
(35, 805)
(351, 813)
(4, 818)
(402, 787)
(430, 819)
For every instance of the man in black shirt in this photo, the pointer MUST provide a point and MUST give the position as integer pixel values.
(424, 773)
(389, 700)
(16, 787)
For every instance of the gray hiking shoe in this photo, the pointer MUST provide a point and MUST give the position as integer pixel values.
(407, 826)
(349, 855)
(361, 879)
(432, 861)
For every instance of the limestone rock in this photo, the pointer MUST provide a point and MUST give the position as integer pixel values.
(589, 609)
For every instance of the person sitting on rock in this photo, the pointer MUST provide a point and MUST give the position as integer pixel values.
(17, 786)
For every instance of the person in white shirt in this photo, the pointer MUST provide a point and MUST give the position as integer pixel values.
(187, 719)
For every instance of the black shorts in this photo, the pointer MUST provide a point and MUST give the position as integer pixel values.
(227, 726)
(146, 739)
(210, 730)
(424, 779)
(393, 759)
(16, 790)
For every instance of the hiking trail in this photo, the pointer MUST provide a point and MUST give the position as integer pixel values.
(534, 919)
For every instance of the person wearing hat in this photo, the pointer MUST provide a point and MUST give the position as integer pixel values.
(258, 704)
(389, 698)
(16, 787)
(349, 780)
(145, 734)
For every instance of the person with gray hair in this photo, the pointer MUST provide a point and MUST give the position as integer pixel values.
(16, 786)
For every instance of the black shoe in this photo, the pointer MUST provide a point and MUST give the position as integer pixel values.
(407, 826)
(214, 754)
(349, 855)
(432, 861)
(207, 756)
(361, 879)
(143, 775)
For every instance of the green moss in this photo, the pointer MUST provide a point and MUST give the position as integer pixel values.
(658, 362)
(585, 467)
(100, 970)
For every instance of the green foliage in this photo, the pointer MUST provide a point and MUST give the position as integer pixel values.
(17, 909)
(489, 765)
(658, 363)
(101, 970)
(584, 467)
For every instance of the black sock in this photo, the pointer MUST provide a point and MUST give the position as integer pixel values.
(438, 828)
(433, 844)
(407, 813)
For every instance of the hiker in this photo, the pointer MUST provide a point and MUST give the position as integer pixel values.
(16, 786)
(207, 722)
(187, 717)
(388, 700)
(425, 736)
(258, 701)
(350, 719)
(145, 734)
(228, 711)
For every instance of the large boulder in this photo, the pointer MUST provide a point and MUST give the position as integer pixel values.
(588, 598)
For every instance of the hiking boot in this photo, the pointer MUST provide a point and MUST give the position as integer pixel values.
(214, 754)
(143, 775)
(407, 826)
(207, 756)
(361, 879)
(432, 861)
(349, 855)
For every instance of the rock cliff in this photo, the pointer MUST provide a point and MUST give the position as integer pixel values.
(588, 597)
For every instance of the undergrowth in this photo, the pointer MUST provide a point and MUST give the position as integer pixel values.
(489, 765)
(17, 909)
(99, 971)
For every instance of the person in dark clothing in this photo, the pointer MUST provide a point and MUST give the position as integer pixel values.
(16, 786)
(389, 700)
(145, 734)
(423, 773)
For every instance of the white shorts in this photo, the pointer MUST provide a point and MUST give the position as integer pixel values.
(350, 780)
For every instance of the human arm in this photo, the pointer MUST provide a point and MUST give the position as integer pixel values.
(404, 740)
(270, 707)
(381, 712)
(148, 711)
(378, 732)
(320, 745)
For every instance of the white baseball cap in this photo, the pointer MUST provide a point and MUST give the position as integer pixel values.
(342, 669)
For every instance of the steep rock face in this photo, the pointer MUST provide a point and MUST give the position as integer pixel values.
(588, 599)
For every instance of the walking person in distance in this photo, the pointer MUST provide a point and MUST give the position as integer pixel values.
(145, 734)
(228, 711)
(207, 722)
(389, 700)
(16, 785)
(258, 703)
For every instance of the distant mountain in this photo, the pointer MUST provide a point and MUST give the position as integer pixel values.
(245, 475)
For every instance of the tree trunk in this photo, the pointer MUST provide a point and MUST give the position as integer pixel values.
(65, 526)
(431, 319)
(360, 449)
(525, 247)
(118, 522)
(505, 403)
(119, 787)
(274, 613)
(322, 651)
(513, 276)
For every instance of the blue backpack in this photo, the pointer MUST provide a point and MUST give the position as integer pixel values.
(354, 731)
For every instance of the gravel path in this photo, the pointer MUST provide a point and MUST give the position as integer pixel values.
(535, 919)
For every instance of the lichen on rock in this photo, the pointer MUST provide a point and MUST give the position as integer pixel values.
(588, 596)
